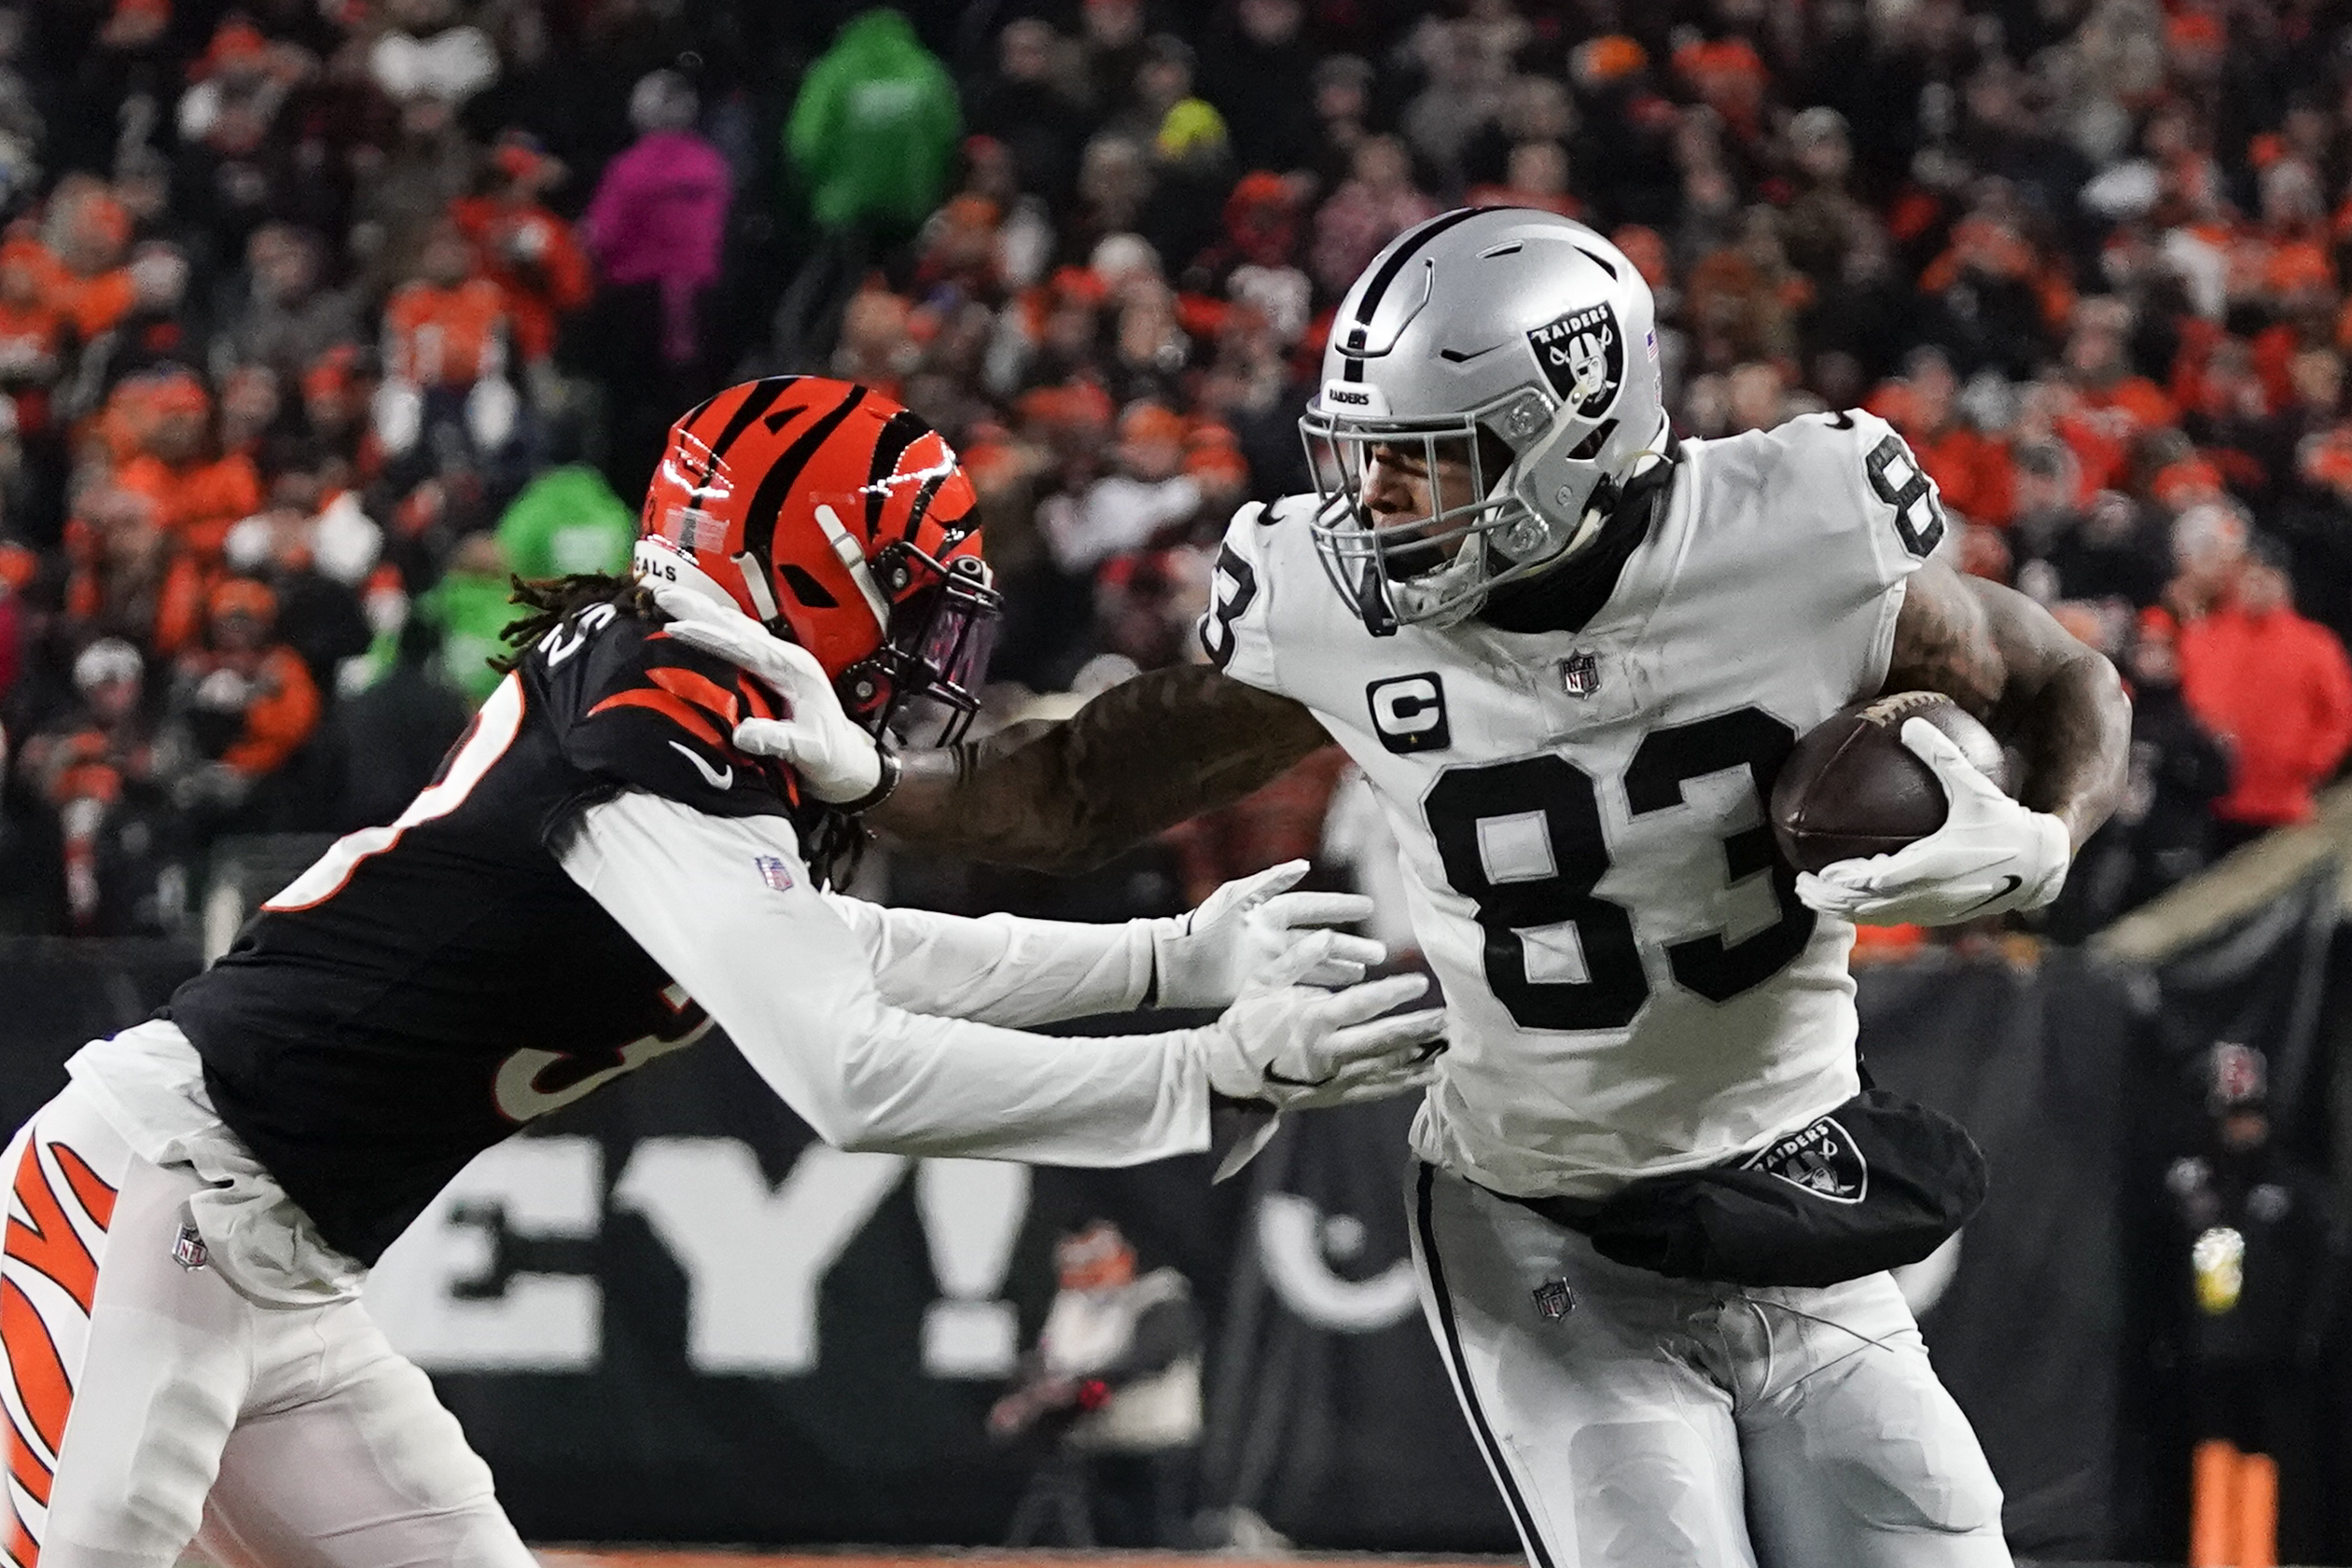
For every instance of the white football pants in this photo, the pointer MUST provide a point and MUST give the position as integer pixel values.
(1671, 1423)
(147, 1400)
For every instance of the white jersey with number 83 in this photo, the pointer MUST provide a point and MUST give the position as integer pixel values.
(1633, 987)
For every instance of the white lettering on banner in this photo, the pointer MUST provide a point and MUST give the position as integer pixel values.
(971, 1212)
(754, 1257)
(539, 1189)
(1297, 1245)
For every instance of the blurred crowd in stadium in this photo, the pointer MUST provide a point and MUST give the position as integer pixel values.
(320, 317)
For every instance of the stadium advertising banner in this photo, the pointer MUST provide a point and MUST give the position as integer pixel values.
(670, 1314)
(673, 1314)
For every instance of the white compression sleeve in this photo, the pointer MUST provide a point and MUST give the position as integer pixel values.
(1001, 968)
(793, 987)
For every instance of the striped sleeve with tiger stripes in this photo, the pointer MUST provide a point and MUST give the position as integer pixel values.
(636, 706)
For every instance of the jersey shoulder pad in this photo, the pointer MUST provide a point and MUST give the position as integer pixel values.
(1855, 476)
(1236, 632)
(634, 706)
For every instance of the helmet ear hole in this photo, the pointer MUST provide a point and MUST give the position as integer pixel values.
(806, 588)
(1590, 448)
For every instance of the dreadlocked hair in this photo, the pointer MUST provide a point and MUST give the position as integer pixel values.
(832, 845)
(548, 603)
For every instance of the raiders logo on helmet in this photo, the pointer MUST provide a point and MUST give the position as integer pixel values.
(1820, 1159)
(1583, 358)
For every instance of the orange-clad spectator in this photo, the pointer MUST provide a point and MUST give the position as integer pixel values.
(199, 491)
(1213, 459)
(247, 702)
(524, 248)
(32, 334)
(1729, 76)
(2276, 688)
(2107, 392)
(1972, 469)
(119, 431)
(127, 580)
(335, 407)
(960, 250)
(88, 230)
(1989, 248)
(2200, 342)
(2299, 292)
(2187, 480)
(447, 326)
(85, 765)
(2050, 410)
(2214, 381)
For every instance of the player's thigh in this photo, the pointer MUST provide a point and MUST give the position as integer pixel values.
(350, 1461)
(1856, 1453)
(125, 1369)
(1609, 1445)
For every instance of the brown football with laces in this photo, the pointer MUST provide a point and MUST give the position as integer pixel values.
(1851, 788)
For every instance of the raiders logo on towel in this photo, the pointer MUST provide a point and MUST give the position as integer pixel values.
(1820, 1159)
(1583, 358)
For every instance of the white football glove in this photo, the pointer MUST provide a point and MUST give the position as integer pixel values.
(1298, 1049)
(1252, 929)
(1990, 856)
(838, 760)
(1292, 1048)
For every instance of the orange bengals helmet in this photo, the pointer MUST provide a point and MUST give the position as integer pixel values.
(841, 521)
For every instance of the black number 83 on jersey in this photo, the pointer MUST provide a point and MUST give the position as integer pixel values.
(1523, 840)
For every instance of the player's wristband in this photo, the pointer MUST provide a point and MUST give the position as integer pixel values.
(891, 773)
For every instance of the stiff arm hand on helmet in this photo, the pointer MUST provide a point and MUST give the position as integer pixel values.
(835, 756)
(841, 525)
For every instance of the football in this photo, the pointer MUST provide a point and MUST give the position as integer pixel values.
(1851, 787)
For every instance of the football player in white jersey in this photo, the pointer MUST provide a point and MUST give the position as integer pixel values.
(1570, 654)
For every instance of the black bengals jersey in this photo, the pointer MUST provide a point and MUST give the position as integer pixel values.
(429, 986)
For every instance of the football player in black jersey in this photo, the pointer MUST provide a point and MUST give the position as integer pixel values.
(598, 873)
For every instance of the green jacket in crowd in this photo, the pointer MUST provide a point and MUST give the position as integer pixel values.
(875, 126)
(568, 521)
(472, 612)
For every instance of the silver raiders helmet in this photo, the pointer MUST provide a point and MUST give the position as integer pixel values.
(1512, 341)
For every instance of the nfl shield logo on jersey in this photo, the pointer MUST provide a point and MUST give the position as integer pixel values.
(188, 1248)
(1555, 1300)
(1580, 674)
(1821, 1160)
(774, 871)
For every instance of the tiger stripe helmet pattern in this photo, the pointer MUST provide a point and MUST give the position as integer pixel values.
(843, 522)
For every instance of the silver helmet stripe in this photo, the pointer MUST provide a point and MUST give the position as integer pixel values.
(1402, 252)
